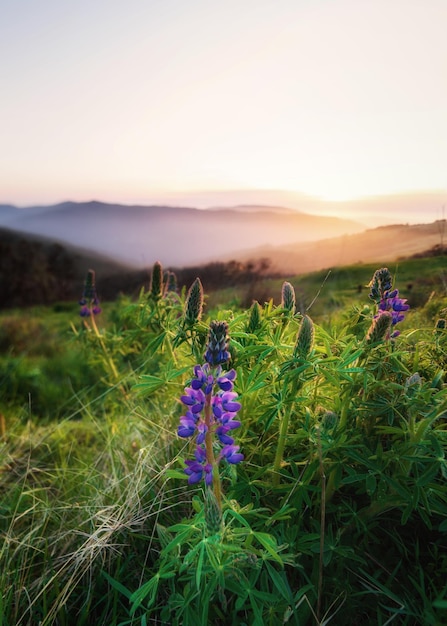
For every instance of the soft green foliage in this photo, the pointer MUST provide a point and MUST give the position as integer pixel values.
(338, 514)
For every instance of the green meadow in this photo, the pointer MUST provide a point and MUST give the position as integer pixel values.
(337, 513)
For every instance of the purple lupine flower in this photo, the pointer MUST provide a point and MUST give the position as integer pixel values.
(221, 432)
(187, 425)
(203, 379)
(194, 398)
(225, 382)
(198, 468)
(387, 300)
(212, 408)
(228, 403)
(395, 305)
(231, 454)
(196, 471)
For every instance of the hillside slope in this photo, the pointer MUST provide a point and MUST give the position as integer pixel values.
(382, 244)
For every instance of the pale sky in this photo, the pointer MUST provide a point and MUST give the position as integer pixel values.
(124, 100)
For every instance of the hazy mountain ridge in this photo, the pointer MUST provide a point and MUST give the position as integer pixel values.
(138, 235)
(391, 208)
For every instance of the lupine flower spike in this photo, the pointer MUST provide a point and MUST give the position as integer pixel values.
(89, 302)
(380, 328)
(194, 303)
(211, 412)
(388, 300)
(305, 339)
(156, 289)
(288, 298)
(171, 283)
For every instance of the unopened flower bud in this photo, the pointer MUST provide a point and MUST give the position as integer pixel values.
(305, 339)
(380, 284)
(156, 289)
(380, 328)
(171, 283)
(213, 513)
(288, 299)
(217, 345)
(194, 303)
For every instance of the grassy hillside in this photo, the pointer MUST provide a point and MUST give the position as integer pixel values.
(331, 289)
(385, 244)
(330, 505)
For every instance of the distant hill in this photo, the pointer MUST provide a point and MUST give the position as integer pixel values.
(382, 244)
(377, 210)
(181, 236)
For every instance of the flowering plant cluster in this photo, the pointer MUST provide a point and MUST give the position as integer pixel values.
(211, 411)
(388, 300)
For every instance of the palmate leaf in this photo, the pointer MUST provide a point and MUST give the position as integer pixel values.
(183, 532)
(252, 381)
(269, 543)
(152, 346)
(151, 383)
(429, 474)
(147, 593)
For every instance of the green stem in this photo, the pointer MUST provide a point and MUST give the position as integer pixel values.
(322, 527)
(345, 400)
(284, 428)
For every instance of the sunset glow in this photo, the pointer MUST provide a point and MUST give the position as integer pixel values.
(126, 102)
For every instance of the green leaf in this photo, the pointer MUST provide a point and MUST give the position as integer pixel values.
(354, 478)
(173, 473)
(212, 556)
(155, 343)
(269, 543)
(180, 538)
(150, 589)
(200, 564)
(280, 582)
(152, 383)
(440, 604)
(371, 484)
(258, 621)
(117, 585)
(239, 518)
(207, 597)
(428, 475)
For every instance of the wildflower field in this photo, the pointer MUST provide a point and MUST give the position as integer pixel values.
(168, 461)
